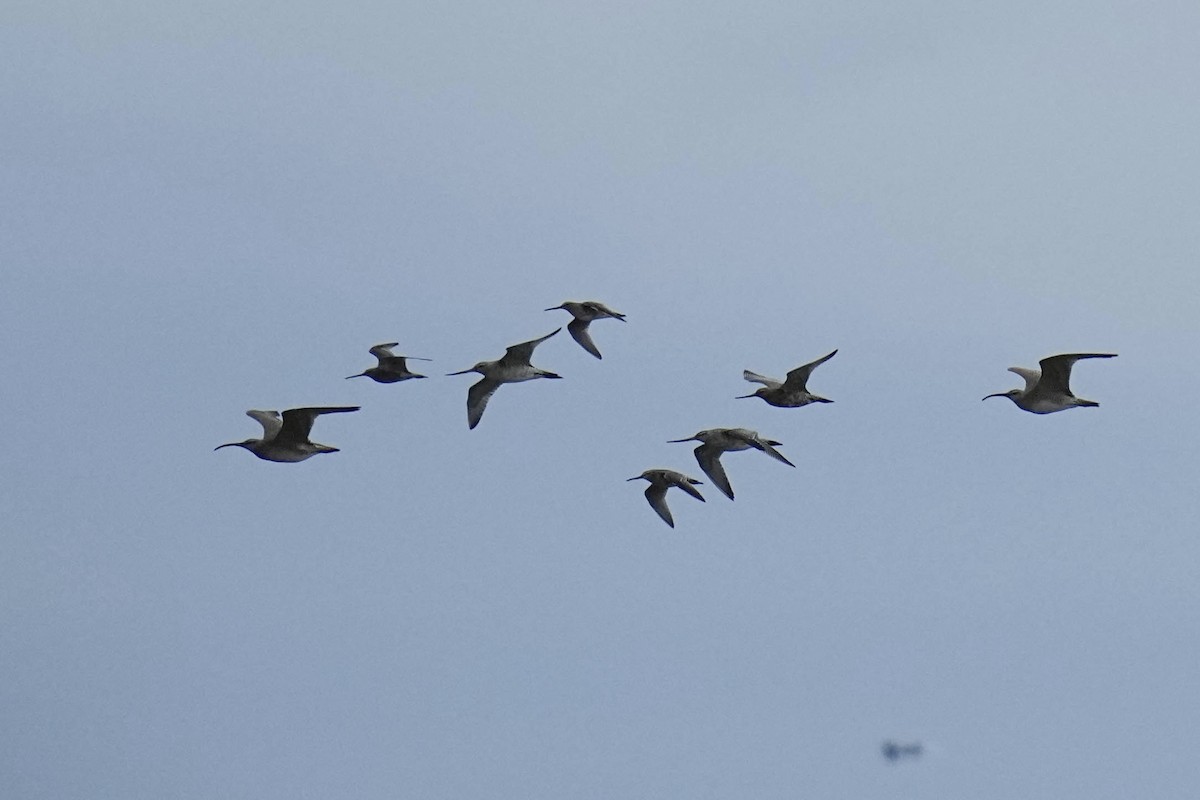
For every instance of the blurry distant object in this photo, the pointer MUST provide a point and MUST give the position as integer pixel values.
(894, 751)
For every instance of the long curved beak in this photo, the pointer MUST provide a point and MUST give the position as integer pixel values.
(635, 477)
(552, 308)
(460, 372)
(744, 396)
(359, 375)
(230, 444)
(997, 394)
(676, 441)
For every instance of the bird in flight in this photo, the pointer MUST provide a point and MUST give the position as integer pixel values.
(512, 367)
(1048, 390)
(285, 438)
(584, 313)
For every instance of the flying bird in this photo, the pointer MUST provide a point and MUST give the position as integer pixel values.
(1048, 390)
(286, 439)
(894, 751)
(391, 368)
(721, 440)
(584, 313)
(661, 480)
(791, 392)
(512, 367)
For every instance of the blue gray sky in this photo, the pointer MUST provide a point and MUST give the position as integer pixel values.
(221, 206)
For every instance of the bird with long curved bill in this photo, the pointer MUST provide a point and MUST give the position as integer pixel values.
(1048, 390)
(285, 437)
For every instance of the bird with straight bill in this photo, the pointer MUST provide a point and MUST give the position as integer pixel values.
(512, 367)
(585, 313)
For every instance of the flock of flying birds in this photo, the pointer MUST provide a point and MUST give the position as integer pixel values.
(286, 436)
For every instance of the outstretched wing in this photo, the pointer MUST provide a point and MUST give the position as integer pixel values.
(754, 377)
(761, 444)
(1056, 370)
(269, 420)
(382, 351)
(578, 328)
(656, 495)
(521, 353)
(685, 483)
(1031, 376)
(709, 459)
(298, 422)
(798, 378)
(600, 310)
(477, 399)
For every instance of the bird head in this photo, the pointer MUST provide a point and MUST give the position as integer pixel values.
(477, 368)
(1011, 394)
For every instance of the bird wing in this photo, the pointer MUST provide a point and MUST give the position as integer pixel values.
(521, 353)
(754, 377)
(798, 377)
(1056, 370)
(765, 446)
(1031, 376)
(656, 495)
(709, 459)
(685, 483)
(382, 351)
(477, 399)
(598, 309)
(298, 422)
(578, 328)
(269, 420)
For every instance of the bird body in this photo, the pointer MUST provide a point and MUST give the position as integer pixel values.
(791, 392)
(716, 441)
(584, 313)
(661, 480)
(1048, 390)
(286, 439)
(512, 367)
(391, 368)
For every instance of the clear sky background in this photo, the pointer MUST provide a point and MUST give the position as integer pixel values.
(220, 206)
